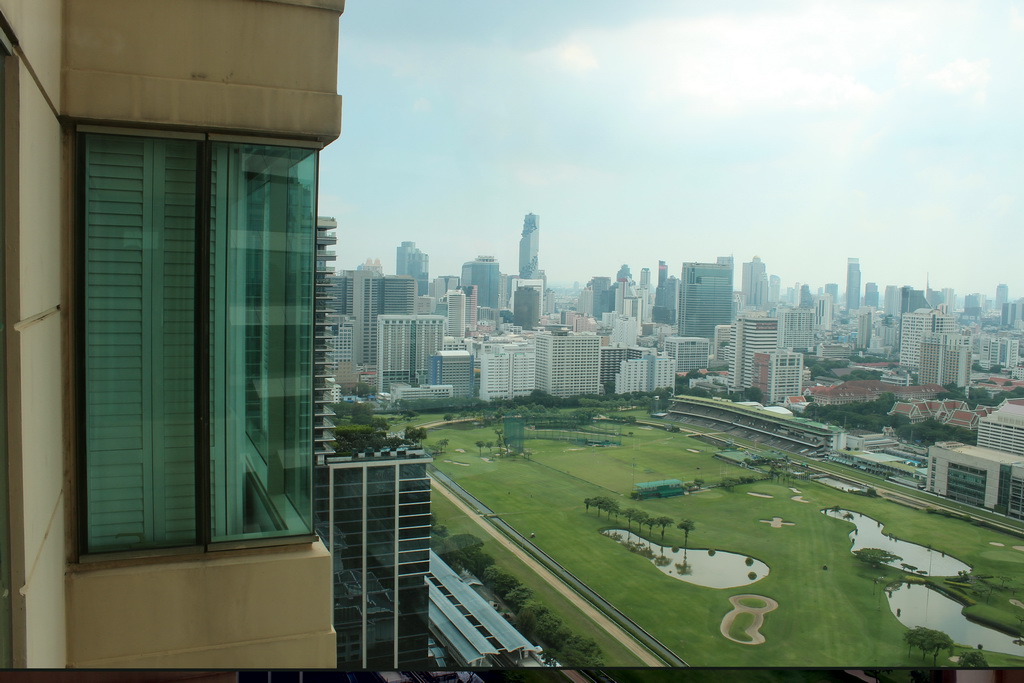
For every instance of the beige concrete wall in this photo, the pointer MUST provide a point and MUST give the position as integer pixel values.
(33, 189)
(262, 67)
(263, 610)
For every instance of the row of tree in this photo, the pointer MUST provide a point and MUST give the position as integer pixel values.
(610, 506)
(537, 621)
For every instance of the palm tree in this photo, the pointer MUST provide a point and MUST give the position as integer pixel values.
(588, 502)
(441, 445)
(687, 525)
(663, 522)
(630, 514)
(480, 447)
(641, 517)
(650, 522)
(489, 445)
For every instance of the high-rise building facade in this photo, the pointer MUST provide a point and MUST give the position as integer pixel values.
(405, 344)
(705, 298)
(750, 334)
(998, 350)
(913, 329)
(852, 284)
(690, 353)
(778, 374)
(507, 370)
(647, 373)
(529, 247)
(373, 512)
(945, 359)
(366, 295)
(483, 272)
(796, 328)
(453, 368)
(568, 364)
(871, 295)
(755, 284)
(414, 263)
(1002, 296)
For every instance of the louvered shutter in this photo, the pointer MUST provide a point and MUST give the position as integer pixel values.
(139, 342)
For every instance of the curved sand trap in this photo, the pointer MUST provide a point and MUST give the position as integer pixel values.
(996, 543)
(759, 495)
(1017, 603)
(800, 499)
(754, 630)
(794, 490)
(776, 522)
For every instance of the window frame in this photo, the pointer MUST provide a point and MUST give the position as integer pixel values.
(203, 419)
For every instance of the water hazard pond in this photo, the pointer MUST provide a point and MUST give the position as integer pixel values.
(695, 565)
(871, 534)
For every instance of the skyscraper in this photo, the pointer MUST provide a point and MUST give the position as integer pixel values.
(365, 295)
(871, 295)
(917, 325)
(414, 263)
(852, 284)
(568, 364)
(483, 272)
(705, 298)
(752, 333)
(755, 284)
(405, 344)
(1002, 296)
(529, 247)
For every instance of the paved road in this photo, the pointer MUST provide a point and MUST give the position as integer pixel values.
(602, 622)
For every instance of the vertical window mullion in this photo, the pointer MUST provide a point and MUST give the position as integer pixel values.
(202, 348)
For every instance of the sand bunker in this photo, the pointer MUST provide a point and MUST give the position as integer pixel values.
(460, 450)
(996, 543)
(647, 428)
(759, 495)
(794, 490)
(776, 522)
(800, 499)
(693, 450)
(1017, 603)
(754, 630)
(1019, 547)
(455, 462)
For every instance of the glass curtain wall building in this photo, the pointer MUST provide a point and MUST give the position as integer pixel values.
(705, 298)
(373, 512)
(197, 311)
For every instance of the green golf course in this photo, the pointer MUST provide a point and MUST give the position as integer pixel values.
(831, 609)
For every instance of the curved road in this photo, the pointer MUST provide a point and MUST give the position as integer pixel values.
(597, 617)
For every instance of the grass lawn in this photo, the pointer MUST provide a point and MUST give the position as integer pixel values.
(458, 523)
(826, 617)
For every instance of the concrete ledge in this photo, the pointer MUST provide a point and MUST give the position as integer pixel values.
(110, 97)
(231, 610)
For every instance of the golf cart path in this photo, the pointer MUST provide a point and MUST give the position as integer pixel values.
(601, 621)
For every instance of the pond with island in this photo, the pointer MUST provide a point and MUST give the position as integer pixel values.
(918, 605)
(701, 566)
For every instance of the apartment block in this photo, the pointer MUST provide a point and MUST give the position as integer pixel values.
(914, 326)
(568, 364)
(690, 353)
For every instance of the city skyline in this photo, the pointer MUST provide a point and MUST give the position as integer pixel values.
(680, 133)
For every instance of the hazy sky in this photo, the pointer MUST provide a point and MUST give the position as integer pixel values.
(800, 132)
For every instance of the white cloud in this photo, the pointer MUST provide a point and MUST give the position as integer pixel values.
(963, 77)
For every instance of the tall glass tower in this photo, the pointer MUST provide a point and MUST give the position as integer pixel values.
(705, 298)
(852, 284)
(529, 247)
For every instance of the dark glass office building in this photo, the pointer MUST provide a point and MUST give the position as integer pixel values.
(373, 512)
(705, 298)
